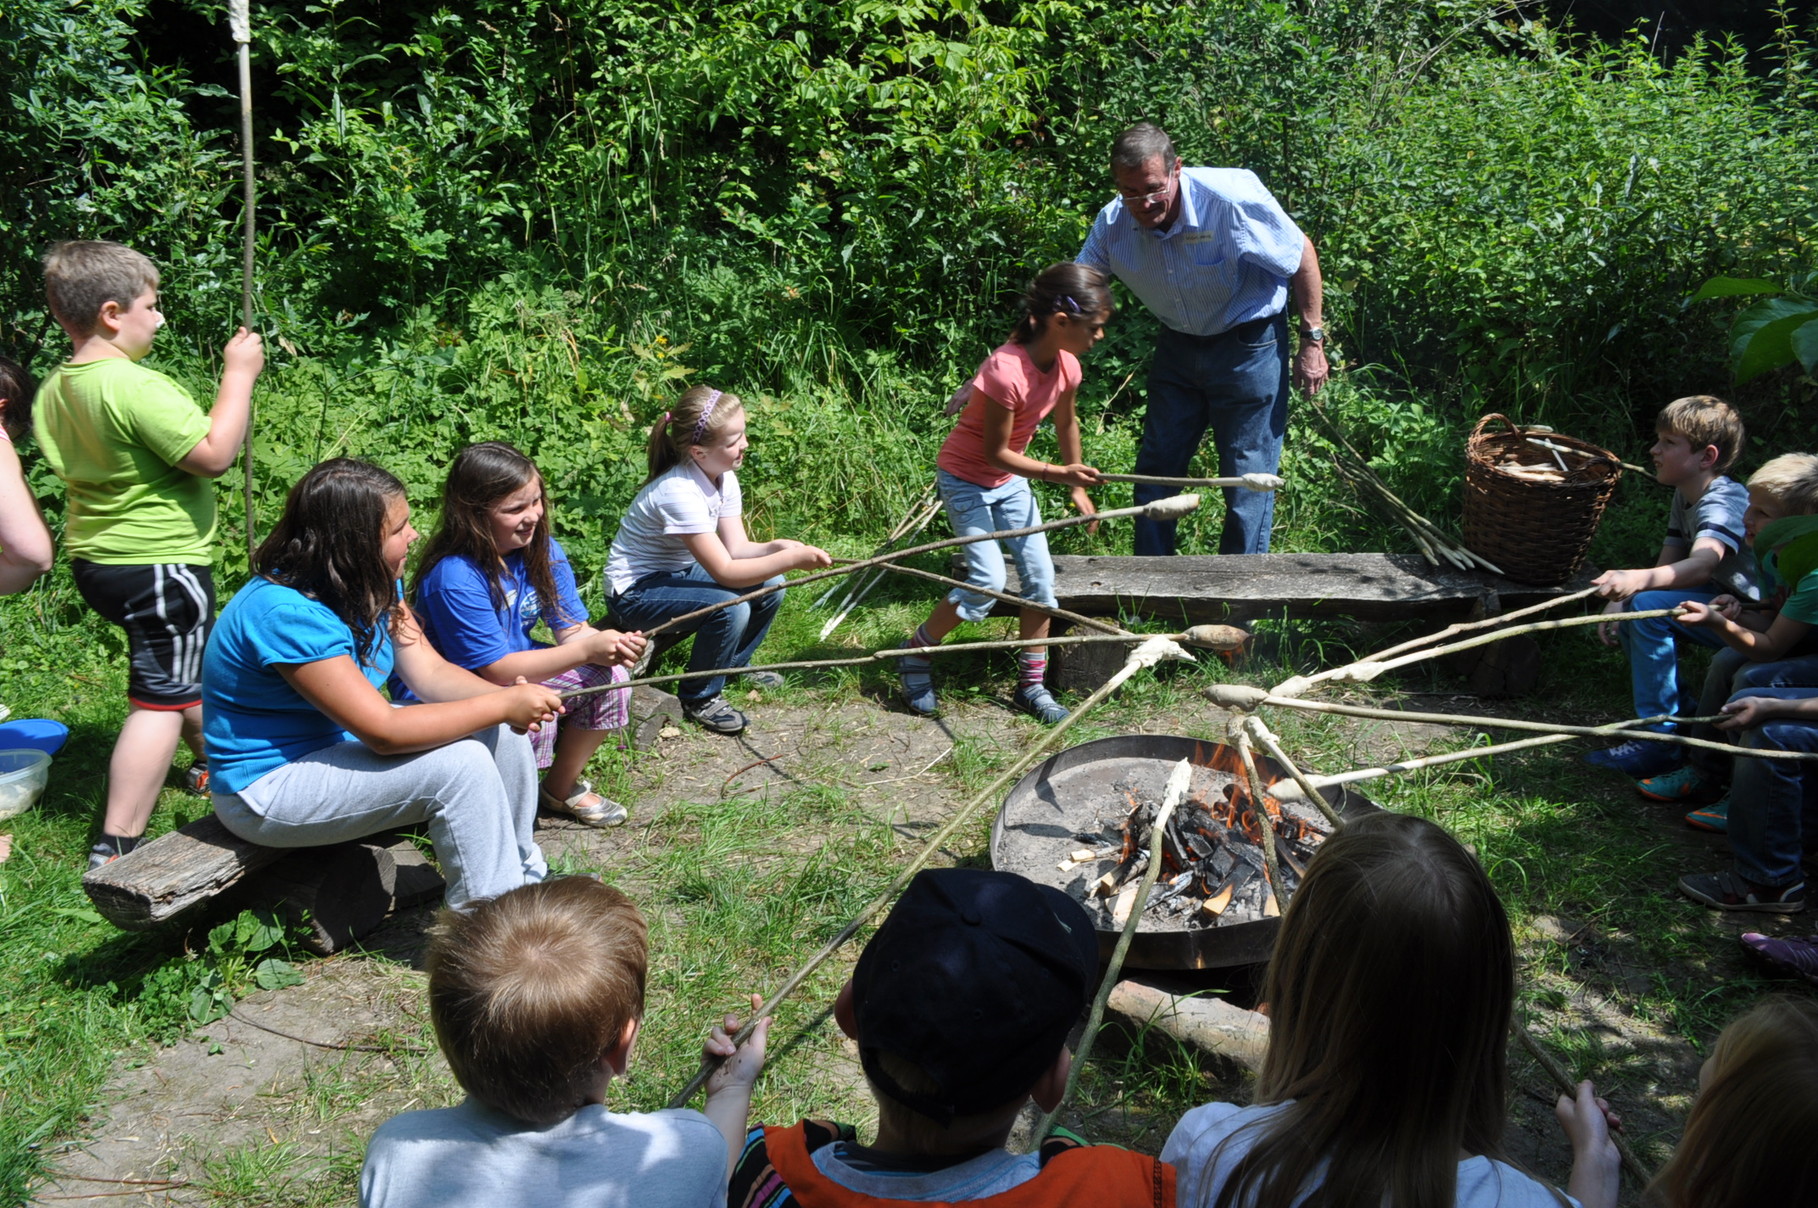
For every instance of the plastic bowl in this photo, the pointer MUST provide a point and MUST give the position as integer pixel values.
(22, 778)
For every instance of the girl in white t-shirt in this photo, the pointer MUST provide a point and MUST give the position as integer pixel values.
(984, 474)
(682, 546)
(1386, 1077)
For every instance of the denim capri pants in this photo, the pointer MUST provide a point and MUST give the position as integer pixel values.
(975, 509)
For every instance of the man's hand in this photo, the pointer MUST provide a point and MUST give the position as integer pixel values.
(1310, 368)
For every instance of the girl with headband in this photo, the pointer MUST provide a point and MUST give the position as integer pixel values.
(682, 546)
(984, 474)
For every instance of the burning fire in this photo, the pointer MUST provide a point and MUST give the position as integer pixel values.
(1212, 845)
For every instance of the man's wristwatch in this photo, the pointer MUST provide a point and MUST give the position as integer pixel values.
(1313, 335)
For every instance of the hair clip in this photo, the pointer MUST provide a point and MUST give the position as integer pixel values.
(1071, 304)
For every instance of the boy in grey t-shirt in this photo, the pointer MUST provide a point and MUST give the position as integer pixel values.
(1703, 556)
(536, 997)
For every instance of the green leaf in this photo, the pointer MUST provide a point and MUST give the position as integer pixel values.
(78, 913)
(274, 974)
(1805, 345)
(1730, 287)
(1762, 336)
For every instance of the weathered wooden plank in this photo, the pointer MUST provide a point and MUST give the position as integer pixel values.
(339, 892)
(1239, 587)
(174, 873)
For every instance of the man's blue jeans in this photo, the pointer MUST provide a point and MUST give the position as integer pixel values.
(727, 638)
(1236, 383)
(1774, 802)
(1654, 654)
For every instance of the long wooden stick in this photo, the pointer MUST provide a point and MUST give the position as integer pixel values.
(1206, 637)
(1472, 626)
(1171, 508)
(1365, 670)
(1176, 792)
(239, 21)
(1626, 727)
(1264, 825)
(1249, 482)
(1059, 614)
(1151, 652)
(1561, 1078)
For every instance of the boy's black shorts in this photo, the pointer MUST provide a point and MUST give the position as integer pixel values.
(167, 610)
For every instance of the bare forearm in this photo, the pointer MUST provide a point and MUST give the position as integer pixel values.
(25, 543)
(424, 727)
(534, 665)
(1307, 288)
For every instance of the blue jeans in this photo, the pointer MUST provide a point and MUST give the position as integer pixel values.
(1732, 673)
(975, 509)
(727, 638)
(1654, 655)
(1773, 801)
(1236, 383)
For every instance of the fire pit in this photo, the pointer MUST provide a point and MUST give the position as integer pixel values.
(1080, 820)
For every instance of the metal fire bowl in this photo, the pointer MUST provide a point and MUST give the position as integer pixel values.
(1075, 789)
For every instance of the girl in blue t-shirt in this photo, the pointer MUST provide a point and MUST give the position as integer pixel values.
(303, 748)
(491, 572)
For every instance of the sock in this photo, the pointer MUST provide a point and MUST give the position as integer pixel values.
(920, 638)
(119, 844)
(1032, 669)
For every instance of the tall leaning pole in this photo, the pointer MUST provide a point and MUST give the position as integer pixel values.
(239, 22)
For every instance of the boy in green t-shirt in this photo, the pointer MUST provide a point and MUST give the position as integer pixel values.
(135, 453)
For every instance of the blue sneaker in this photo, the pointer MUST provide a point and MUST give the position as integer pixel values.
(1039, 703)
(1637, 759)
(1681, 786)
(917, 684)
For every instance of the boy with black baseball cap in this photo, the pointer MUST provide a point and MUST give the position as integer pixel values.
(961, 1005)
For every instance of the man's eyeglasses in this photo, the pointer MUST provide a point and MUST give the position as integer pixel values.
(1143, 199)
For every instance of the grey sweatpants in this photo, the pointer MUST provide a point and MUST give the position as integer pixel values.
(477, 795)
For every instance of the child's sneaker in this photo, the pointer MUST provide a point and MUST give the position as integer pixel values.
(1039, 703)
(716, 715)
(1637, 759)
(916, 677)
(764, 679)
(1714, 817)
(195, 779)
(1789, 955)
(1727, 891)
(109, 849)
(1681, 786)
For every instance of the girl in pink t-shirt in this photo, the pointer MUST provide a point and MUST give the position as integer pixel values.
(984, 474)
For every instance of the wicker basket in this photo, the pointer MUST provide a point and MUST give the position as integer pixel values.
(1534, 523)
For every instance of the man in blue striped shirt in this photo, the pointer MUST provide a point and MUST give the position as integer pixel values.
(1212, 255)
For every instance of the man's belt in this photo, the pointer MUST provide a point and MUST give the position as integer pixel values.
(1249, 332)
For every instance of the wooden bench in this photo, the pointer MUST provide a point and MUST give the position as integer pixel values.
(338, 893)
(1222, 589)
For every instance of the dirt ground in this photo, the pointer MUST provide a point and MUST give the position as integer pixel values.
(268, 1084)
